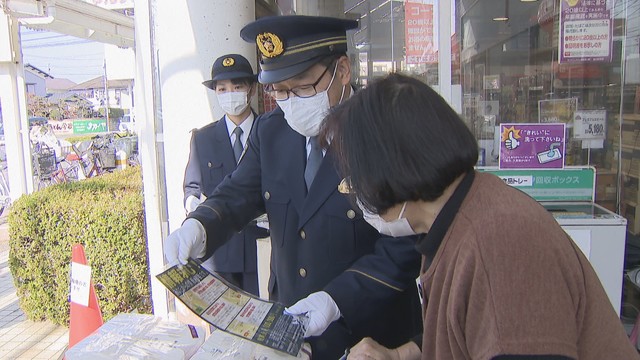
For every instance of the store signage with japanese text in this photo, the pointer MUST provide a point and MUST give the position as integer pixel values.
(88, 126)
(568, 184)
(532, 146)
(62, 127)
(589, 124)
(585, 31)
(421, 31)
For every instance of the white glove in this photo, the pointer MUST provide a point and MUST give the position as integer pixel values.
(189, 240)
(191, 203)
(321, 310)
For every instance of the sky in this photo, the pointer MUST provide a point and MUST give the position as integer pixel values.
(62, 56)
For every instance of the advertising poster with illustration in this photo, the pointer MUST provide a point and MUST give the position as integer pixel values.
(532, 146)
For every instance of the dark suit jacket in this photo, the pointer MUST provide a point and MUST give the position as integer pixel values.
(210, 160)
(319, 241)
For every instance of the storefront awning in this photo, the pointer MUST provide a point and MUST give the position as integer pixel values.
(74, 17)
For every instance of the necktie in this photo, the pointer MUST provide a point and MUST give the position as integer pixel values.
(313, 161)
(237, 145)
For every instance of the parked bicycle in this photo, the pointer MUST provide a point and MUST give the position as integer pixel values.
(84, 159)
(48, 170)
(96, 155)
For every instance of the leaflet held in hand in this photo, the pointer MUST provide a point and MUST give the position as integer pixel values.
(233, 310)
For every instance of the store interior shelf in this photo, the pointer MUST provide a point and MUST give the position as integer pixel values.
(635, 176)
(627, 145)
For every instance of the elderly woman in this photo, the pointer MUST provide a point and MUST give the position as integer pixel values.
(500, 279)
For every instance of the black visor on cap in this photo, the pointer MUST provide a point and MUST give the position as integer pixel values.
(289, 45)
(211, 84)
(229, 67)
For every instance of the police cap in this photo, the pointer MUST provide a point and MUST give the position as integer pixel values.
(228, 67)
(289, 45)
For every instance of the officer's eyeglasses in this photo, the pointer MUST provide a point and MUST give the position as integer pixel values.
(302, 91)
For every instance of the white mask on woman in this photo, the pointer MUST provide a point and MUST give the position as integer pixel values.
(305, 115)
(233, 102)
(396, 228)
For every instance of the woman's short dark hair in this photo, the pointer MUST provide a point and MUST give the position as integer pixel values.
(398, 140)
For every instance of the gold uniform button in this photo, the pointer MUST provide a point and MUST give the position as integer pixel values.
(303, 272)
(303, 235)
(267, 196)
(351, 214)
(209, 164)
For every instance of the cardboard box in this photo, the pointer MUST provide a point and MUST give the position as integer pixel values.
(605, 186)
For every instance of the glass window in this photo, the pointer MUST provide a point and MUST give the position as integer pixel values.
(394, 36)
(553, 61)
(520, 61)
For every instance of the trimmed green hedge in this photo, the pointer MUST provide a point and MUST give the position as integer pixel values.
(105, 214)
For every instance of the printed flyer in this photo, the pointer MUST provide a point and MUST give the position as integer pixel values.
(532, 146)
(233, 310)
(586, 31)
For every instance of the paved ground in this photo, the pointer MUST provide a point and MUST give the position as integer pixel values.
(19, 337)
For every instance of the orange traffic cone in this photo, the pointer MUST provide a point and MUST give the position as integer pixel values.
(83, 320)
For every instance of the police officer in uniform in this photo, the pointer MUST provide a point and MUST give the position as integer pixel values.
(326, 260)
(215, 151)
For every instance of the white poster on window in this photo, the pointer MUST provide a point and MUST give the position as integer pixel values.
(589, 124)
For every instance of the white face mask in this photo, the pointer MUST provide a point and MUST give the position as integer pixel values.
(233, 102)
(396, 228)
(305, 115)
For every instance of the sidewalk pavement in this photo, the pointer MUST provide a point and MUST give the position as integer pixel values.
(19, 337)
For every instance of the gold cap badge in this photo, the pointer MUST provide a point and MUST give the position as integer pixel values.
(269, 44)
(345, 186)
(228, 62)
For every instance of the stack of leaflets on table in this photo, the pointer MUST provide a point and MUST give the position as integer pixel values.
(138, 336)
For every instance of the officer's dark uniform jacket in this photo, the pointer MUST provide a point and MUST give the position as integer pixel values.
(319, 241)
(210, 160)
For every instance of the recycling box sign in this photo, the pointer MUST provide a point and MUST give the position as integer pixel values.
(568, 184)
